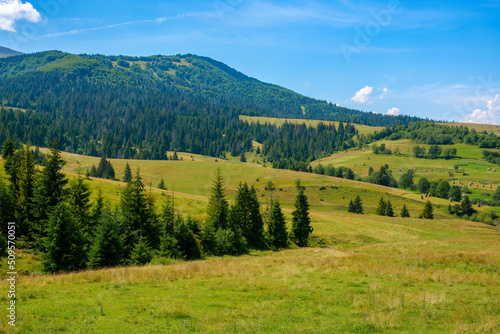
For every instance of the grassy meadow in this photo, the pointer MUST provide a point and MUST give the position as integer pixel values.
(362, 273)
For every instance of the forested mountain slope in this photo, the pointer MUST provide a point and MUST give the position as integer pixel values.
(122, 106)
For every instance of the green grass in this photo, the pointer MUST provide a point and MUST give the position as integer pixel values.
(363, 129)
(377, 276)
(365, 273)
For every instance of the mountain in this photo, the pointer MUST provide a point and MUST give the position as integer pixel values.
(122, 106)
(5, 52)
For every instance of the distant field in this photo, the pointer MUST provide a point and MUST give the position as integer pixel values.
(478, 127)
(192, 180)
(363, 129)
(469, 160)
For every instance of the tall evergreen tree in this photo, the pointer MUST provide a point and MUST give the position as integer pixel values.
(136, 215)
(404, 211)
(25, 192)
(428, 212)
(301, 222)
(50, 189)
(186, 241)
(245, 214)
(351, 207)
(161, 185)
(466, 206)
(107, 247)
(381, 207)
(217, 205)
(277, 231)
(79, 205)
(389, 211)
(168, 217)
(6, 205)
(141, 253)
(64, 244)
(127, 177)
(358, 205)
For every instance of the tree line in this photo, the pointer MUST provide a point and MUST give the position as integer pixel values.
(55, 216)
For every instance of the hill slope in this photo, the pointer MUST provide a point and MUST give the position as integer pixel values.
(6, 52)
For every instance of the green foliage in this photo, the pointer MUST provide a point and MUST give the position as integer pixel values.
(434, 151)
(442, 189)
(64, 244)
(127, 177)
(455, 193)
(428, 211)
(382, 177)
(301, 222)
(389, 211)
(355, 206)
(404, 211)
(139, 218)
(161, 185)
(381, 207)
(218, 208)
(245, 214)
(277, 231)
(141, 252)
(3, 246)
(406, 180)
(79, 205)
(107, 246)
(6, 205)
(423, 185)
(105, 170)
(187, 243)
(25, 194)
(50, 189)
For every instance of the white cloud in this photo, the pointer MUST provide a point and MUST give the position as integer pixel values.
(14, 10)
(385, 91)
(393, 111)
(490, 116)
(363, 95)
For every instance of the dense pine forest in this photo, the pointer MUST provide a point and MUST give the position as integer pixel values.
(125, 107)
(56, 218)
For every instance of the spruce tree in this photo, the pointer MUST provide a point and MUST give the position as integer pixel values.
(141, 252)
(404, 211)
(186, 241)
(64, 244)
(137, 215)
(79, 205)
(98, 208)
(168, 217)
(358, 205)
(25, 193)
(161, 185)
(245, 214)
(301, 222)
(107, 247)
(381, 207)
(466, 206)
(50, 189)
(127, 177)
(217, 205)
(6, 205)
(11, 162)
(389, 211)
(351, 207)
(427, 213)
(277, 231)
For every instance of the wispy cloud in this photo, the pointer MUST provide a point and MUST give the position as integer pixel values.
(111, 26)
(14, 10)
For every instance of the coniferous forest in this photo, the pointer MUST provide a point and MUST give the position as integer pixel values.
(57, 219)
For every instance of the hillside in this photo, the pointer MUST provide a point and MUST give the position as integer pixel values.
(125, 107)
(5, 52)
(366, 273)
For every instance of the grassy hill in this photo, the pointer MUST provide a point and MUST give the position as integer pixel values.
(478, 127)
(366, 273)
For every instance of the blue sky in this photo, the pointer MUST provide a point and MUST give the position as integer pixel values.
(436, 59)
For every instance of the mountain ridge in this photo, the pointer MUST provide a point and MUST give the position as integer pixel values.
(6, 52)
